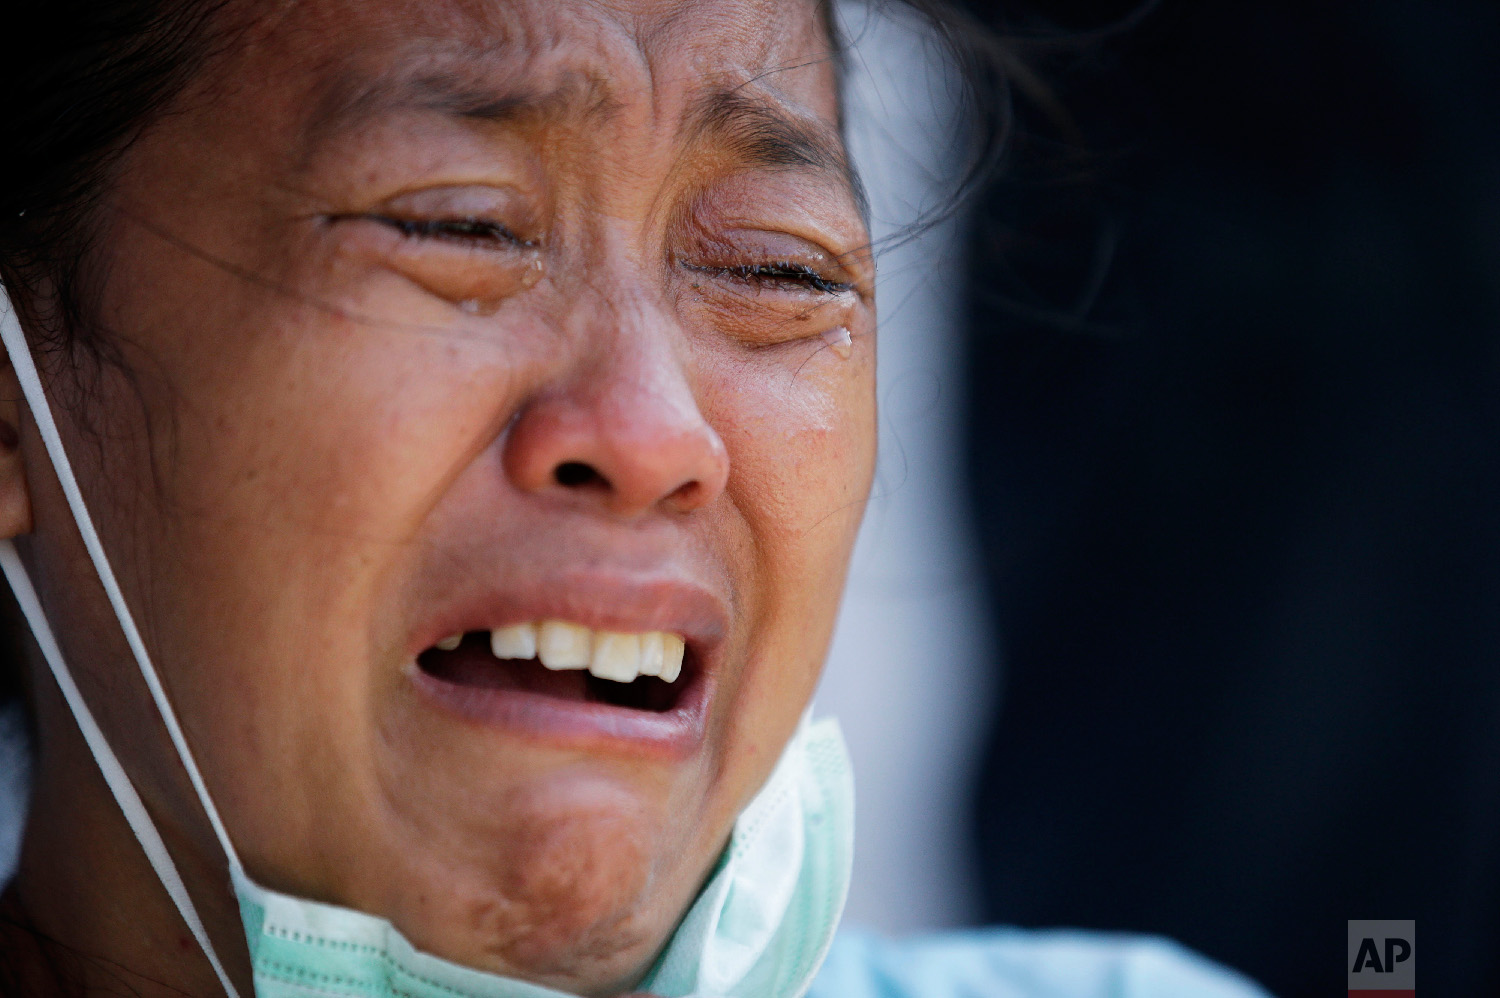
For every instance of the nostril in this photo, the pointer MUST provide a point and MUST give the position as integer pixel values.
(687, 495)
(575, 474)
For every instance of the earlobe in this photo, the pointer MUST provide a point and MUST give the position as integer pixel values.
(15, 498)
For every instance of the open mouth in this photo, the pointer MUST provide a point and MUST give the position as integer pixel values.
(566, 661)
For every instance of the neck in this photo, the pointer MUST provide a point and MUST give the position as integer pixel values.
(86, 911)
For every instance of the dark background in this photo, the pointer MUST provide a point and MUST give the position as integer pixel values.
(1234, 437)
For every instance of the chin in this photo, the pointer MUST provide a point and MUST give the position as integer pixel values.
(568, 899)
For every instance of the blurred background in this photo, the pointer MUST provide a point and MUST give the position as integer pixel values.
(912, 674)
(1220, 398)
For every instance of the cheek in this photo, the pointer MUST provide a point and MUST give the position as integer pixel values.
(802, 452)
(341, 433)
(307, 455)
(802, 445)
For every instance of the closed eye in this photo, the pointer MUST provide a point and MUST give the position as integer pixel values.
(466, 230)
(780, 272)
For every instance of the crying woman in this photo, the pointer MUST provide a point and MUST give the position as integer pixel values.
(432, 438)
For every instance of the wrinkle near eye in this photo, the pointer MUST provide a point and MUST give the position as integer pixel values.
(764, 316)
(476, 273)
(755, 218)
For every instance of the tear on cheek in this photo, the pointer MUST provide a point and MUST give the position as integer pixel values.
(839, 340)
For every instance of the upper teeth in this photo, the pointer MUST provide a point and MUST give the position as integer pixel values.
(606, 654)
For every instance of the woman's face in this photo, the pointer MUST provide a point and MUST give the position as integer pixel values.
(446, 317)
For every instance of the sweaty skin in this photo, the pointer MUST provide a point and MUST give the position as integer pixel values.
(383, 269)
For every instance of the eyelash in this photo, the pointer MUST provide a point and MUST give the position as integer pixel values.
(780, 272)
(777, 272)
(470, 230)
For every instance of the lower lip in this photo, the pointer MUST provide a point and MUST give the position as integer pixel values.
(577, 725)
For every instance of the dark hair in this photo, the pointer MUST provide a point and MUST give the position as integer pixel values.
(988, 70)
(79, 80)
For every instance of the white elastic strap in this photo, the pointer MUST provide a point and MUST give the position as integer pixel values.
(36, 398)
(114, 775)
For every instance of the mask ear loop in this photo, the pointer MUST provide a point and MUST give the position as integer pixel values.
(115, 776)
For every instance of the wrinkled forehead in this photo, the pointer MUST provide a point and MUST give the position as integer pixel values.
(764, 65)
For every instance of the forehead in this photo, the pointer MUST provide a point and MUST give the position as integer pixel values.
(554, 60)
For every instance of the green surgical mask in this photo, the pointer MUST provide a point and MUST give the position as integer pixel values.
(759, 929)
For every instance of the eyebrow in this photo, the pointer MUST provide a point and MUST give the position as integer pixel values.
(758, 130)
(762, 132)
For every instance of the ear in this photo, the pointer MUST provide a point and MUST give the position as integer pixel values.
(15, 498)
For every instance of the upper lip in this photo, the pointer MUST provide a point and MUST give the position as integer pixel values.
(627, 602)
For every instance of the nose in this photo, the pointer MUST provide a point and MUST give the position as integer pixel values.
(623, 429)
